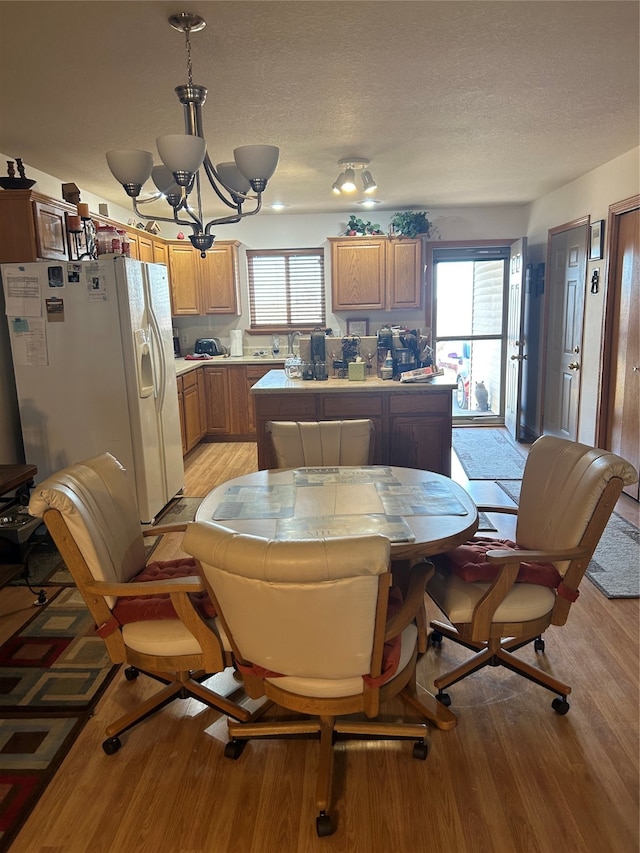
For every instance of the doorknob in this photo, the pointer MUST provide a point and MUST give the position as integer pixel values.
(516, 358)
(573, 365)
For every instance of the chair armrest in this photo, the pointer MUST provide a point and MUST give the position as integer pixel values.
(500, 555)
(508, 510)
(123, 590)
(178, 527)
(414, 599)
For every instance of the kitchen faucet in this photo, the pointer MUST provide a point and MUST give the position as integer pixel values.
(291, 336)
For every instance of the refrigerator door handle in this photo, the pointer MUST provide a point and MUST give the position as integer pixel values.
(154, 331)
(144, 362)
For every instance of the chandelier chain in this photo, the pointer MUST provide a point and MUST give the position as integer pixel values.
(188, 45)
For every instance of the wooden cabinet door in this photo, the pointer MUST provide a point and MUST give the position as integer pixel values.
(251, 375)
(132, 237)
(216, 381)
(358, 271)
(160, 253)
(183, 277)
(218, 272)
(51, 233)
(191, 403)
(404, 273)
(420, 442)
(145, 248)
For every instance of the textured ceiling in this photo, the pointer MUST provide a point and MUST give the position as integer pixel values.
(455, 103)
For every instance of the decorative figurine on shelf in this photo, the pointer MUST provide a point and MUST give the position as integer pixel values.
(13, 183)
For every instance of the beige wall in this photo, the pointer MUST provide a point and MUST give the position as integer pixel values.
(589, 195)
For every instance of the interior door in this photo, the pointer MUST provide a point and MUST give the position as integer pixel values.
(564, 321)
(622, 392)
(515, 338)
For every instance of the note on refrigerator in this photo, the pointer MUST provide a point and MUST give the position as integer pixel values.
(22, 293)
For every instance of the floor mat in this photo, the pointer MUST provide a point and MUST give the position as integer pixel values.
(487, 454)
(53, 672)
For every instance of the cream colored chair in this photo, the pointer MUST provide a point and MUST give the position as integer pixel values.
(165, 630)
(314, 444)
(499, 596)
(308, 622)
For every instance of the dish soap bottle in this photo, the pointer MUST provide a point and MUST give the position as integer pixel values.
(386, 372)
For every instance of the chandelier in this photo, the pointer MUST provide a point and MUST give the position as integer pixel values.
(346, 180)
(184, 156)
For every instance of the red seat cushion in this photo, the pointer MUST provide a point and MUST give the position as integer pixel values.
(146, 607)
(469, 563)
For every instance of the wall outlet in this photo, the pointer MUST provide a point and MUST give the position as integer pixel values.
(184, 338)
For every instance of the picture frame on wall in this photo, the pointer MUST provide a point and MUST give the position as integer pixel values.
(358, 326)
(596, 240)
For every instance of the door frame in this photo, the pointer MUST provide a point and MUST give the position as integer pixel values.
(616, 210)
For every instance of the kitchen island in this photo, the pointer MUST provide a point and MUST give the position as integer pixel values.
(412, 421)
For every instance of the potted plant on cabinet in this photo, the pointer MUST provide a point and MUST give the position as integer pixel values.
(358, 228)
(411, 223)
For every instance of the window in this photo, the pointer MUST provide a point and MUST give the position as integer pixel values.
(286, 288)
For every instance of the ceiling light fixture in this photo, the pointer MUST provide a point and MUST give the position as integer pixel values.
(183, 156)
(346, 180)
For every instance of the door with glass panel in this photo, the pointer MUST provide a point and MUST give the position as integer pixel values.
(470, 291)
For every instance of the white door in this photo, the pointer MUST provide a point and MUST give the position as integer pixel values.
(515, 351)
(564, 320)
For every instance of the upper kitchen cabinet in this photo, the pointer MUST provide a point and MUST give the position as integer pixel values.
(32, 227)
(206, 285)
(145, 248)
(375, 273)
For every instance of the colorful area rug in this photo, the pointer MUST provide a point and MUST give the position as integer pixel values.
(615, 567)
(487, 454)
(53, 672)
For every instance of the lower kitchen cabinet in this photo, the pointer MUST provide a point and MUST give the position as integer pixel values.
(218, 402)
(191, 402)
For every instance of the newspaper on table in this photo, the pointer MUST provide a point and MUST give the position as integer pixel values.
(394, 528)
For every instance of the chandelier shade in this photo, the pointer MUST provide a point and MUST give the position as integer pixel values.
(186, 163)
(182, 154)
(130, 167)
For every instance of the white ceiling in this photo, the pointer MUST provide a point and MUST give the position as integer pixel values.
(455, 103)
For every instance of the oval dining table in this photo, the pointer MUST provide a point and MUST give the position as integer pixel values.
(421, 512)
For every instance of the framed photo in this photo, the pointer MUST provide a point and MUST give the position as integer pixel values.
(358, 327)
(596, 241)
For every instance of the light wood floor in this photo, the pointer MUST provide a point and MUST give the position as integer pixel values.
(512, 777)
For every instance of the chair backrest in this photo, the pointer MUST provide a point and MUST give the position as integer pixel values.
(562, 485)
(317, 443)
(100, 512)
(306, 608)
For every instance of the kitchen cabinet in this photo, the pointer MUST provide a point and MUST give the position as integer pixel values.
(218, 401)
(375, 273)
(206, 285)
(145, 248)
(412, 423)
(32, 227)
(192, 408)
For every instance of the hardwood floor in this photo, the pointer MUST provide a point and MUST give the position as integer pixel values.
(512, 777)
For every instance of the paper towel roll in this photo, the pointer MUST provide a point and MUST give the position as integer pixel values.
(236, 342)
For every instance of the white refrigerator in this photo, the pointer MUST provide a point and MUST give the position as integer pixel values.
(92, 349)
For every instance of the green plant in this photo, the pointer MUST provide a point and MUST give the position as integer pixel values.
(410, 223)
(357, 226)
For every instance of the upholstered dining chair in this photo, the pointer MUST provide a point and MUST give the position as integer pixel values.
(499, 595)
(312, 629)
(156, 618)
(314, 444)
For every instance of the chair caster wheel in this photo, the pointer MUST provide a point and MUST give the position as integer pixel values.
(560, 706)
(435, 638)
(444, 698)
(234, 749)
(324, 826)
(420, 750)
(131, 673)
(538, 644)
(111, 745)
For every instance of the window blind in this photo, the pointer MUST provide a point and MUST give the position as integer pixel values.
(286, 287)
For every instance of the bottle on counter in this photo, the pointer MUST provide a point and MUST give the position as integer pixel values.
(386, 371)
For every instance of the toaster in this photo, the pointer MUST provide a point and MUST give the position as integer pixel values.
(209, 346)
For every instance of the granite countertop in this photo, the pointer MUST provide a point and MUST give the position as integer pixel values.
(276, 381)
(184, 365)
